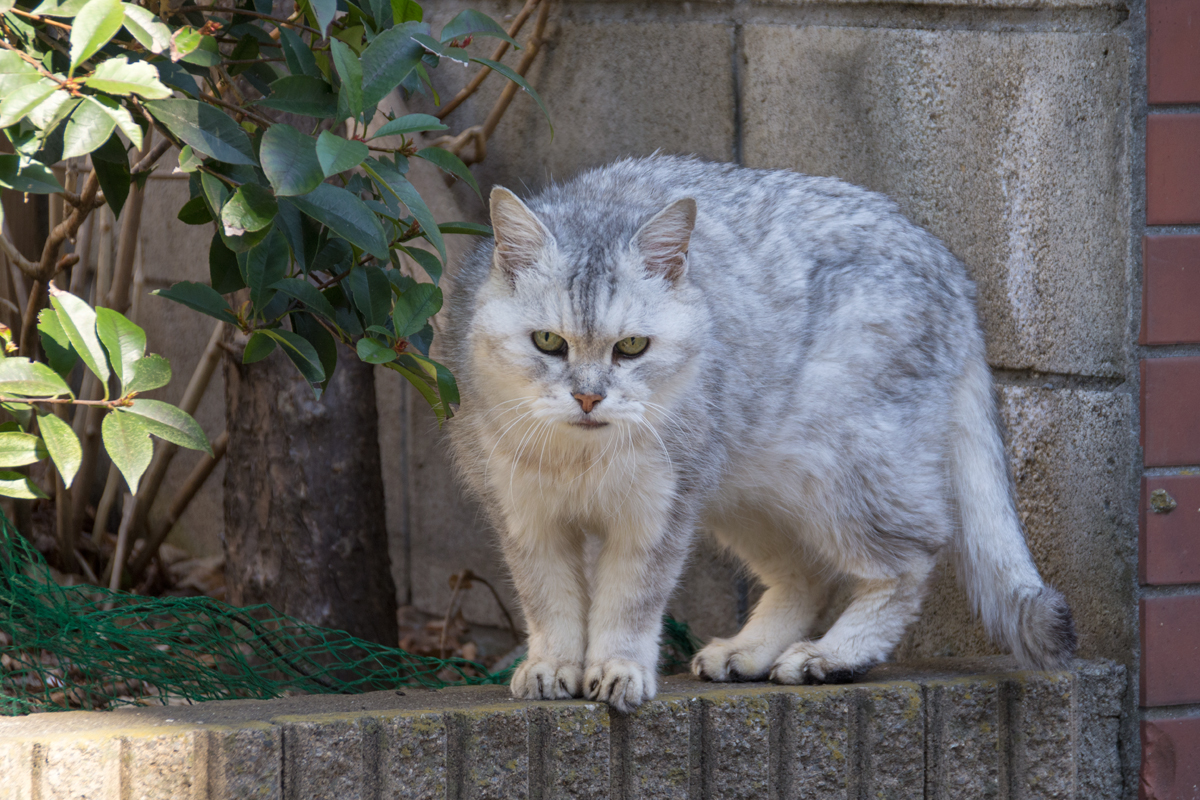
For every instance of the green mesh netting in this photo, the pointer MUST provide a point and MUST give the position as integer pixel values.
(86, 647)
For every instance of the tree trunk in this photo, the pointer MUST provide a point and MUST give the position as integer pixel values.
(304, 508)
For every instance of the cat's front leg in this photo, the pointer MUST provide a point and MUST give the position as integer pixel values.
(637, 569)
(547, 566)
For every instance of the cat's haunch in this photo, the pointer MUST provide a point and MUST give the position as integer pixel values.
(664, 346)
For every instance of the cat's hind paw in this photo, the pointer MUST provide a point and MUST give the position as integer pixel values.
(547, 680)
(723, 660)
(806, 663)
(621, 683)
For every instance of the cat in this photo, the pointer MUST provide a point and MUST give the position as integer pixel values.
(663, 346)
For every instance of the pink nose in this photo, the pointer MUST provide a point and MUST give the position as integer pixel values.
(589, 401)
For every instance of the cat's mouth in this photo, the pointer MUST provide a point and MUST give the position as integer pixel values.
(588, 423)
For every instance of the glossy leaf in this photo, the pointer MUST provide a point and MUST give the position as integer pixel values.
(251, 208)
(88, 128)
(124, 341)
(322, 341)
(302, 94)
(473, 23)
(442, 51)
(112, 169)
(149, 373)
(170, 423)
(374, 351)
(200, 297)
(14, 484)
(406, 193)
(21, 102)
(23, 174)
(428, 261)
(470, 228)
(346, 215)
(25, 378)
(299, 56)
(79, 321)
(95, 24)
(406, 11)
(59, 352)
(448, 162)
(289, 159)
(258, 347)
(127, 442)
(120, 116)
(410, 123)
(338, 155)
(19, 449)
(195, 212)
(388, 60)
(301, 352)
(119, 76)
(59, 8)
(323, 10)
(308, 294)
(266, 264)
(205, 128)
(516, 78)
(372, 294)
(63, 446)
(350, 70)
(146, 28)
(414, 307)
(223, 272)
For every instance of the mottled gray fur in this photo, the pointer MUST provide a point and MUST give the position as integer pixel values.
(814, 395)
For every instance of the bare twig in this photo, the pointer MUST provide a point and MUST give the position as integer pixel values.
(107, 500)
(18, 260)
(235, 108)
(291, 23)
(117, 565)
(470, 88)
(37, 18)
(531, 50)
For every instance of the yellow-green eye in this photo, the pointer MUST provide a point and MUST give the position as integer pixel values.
(549, 342)
(632, 346)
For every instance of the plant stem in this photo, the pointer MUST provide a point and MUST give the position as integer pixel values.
(242, 12)
(470, 88)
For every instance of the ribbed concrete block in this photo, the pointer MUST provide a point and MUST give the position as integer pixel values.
(575, 745)
(17, 768)
(1100, 690)
(245, 762)
(334, 757)
(737, 745)
(413, 763)
(169, 765)
(658, 750)
(66, 769)
(1042, 733)
(815, 738)
(489, 756)
(963, 720)
(894, 741)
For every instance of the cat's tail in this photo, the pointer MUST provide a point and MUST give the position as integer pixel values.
(1019, 611)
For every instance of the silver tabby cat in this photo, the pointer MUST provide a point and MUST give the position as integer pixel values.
(666, 346)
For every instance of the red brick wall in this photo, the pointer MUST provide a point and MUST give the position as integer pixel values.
(1169, 546)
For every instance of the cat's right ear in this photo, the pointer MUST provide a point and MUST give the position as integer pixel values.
(520, 236)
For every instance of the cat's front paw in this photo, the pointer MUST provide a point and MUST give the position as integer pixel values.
(807, 663)
(621, 683)
(724, 660)
(547, 680)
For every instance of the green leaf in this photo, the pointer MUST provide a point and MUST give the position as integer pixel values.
(118, 76)
(127, 441)
(301, 352)
(323, 11)
(322, 341)
(516, 78)
(206, 54)
(208, 130)
(299, 56)
(200, 297)
(88, 128)
(52, 111)
(307, 294)
(374, 351)
(19, 449)
(149, 373)
(251, 208)
(350, 70)
(289, 159)
(259, 347)
(59, 353)
(124, 341)
(474, 23)
(79, 321)
(428, 261)
(338, 155)
(63, 445)
(120, 116)
(189, 159)
(96, 23)
(170, 423)
(23, 174)
(438, 49)
(21, 102)
(146, 28)
(388, 60)
(470, 228)
(215, 192)
(266, 264)
(223, 271)
(372, 294)
(14, 484)
(301, 94)
(448, 162)
(184, 42)
(15, 73)
(346, 215)
(410, 123)
(59, 8)
(406, 193)
(406, 11)
(25, 378)
(414, 307)
(112, 169)
(195, 212)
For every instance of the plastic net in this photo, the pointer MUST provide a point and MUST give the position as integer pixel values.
(71, 647)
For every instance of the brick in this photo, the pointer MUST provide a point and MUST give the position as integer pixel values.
(1041, 732)
(577, 746)
(964, 739)
(1170, 759)
(328, 758)
(414, 757)
(1170, 284)
(1170, 650)
(245, 762)
(493, 763)
(1172, 51)
(737, 748)
(658, 743)
(1172, 169)
(815, 744)
(1170, 400)
(1170, 538)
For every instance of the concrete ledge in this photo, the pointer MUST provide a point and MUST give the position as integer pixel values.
(945, 729)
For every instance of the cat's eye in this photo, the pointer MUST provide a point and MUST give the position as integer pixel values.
(549, 342)
(632, 346)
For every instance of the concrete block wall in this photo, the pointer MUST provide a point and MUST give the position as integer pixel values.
(951, 729)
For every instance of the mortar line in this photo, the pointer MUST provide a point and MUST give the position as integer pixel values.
(737, 45)
(372, 745)
(1005, 730)
(1166, 713)
(284, 772)
(537, 752)
(931, 722)
(618, 756)
(1171, 590)
(697, 762)
(777, 720)
(1002, 376)
(860, 757)
(455, 753)
(1171, 230)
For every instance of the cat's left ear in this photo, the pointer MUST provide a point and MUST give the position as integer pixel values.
(663, 241)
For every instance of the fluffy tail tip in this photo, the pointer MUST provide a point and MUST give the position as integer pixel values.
(1047, 632)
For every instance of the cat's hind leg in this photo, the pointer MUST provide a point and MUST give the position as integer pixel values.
(864, 635)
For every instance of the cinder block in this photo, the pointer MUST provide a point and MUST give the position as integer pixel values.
(894, 741)
(489, 756)
(1041, 730)
(737, 747)
(170, 766)
(413, 763)
(245, 762)
(576, 746)
(87, 766)
(658, 742)
(334, 757)
(965, 739)
(1008, 146)
(816, 759)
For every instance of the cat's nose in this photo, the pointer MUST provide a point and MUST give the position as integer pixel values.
(589, 401)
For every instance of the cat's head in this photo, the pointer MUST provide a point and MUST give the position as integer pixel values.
(585, 328)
